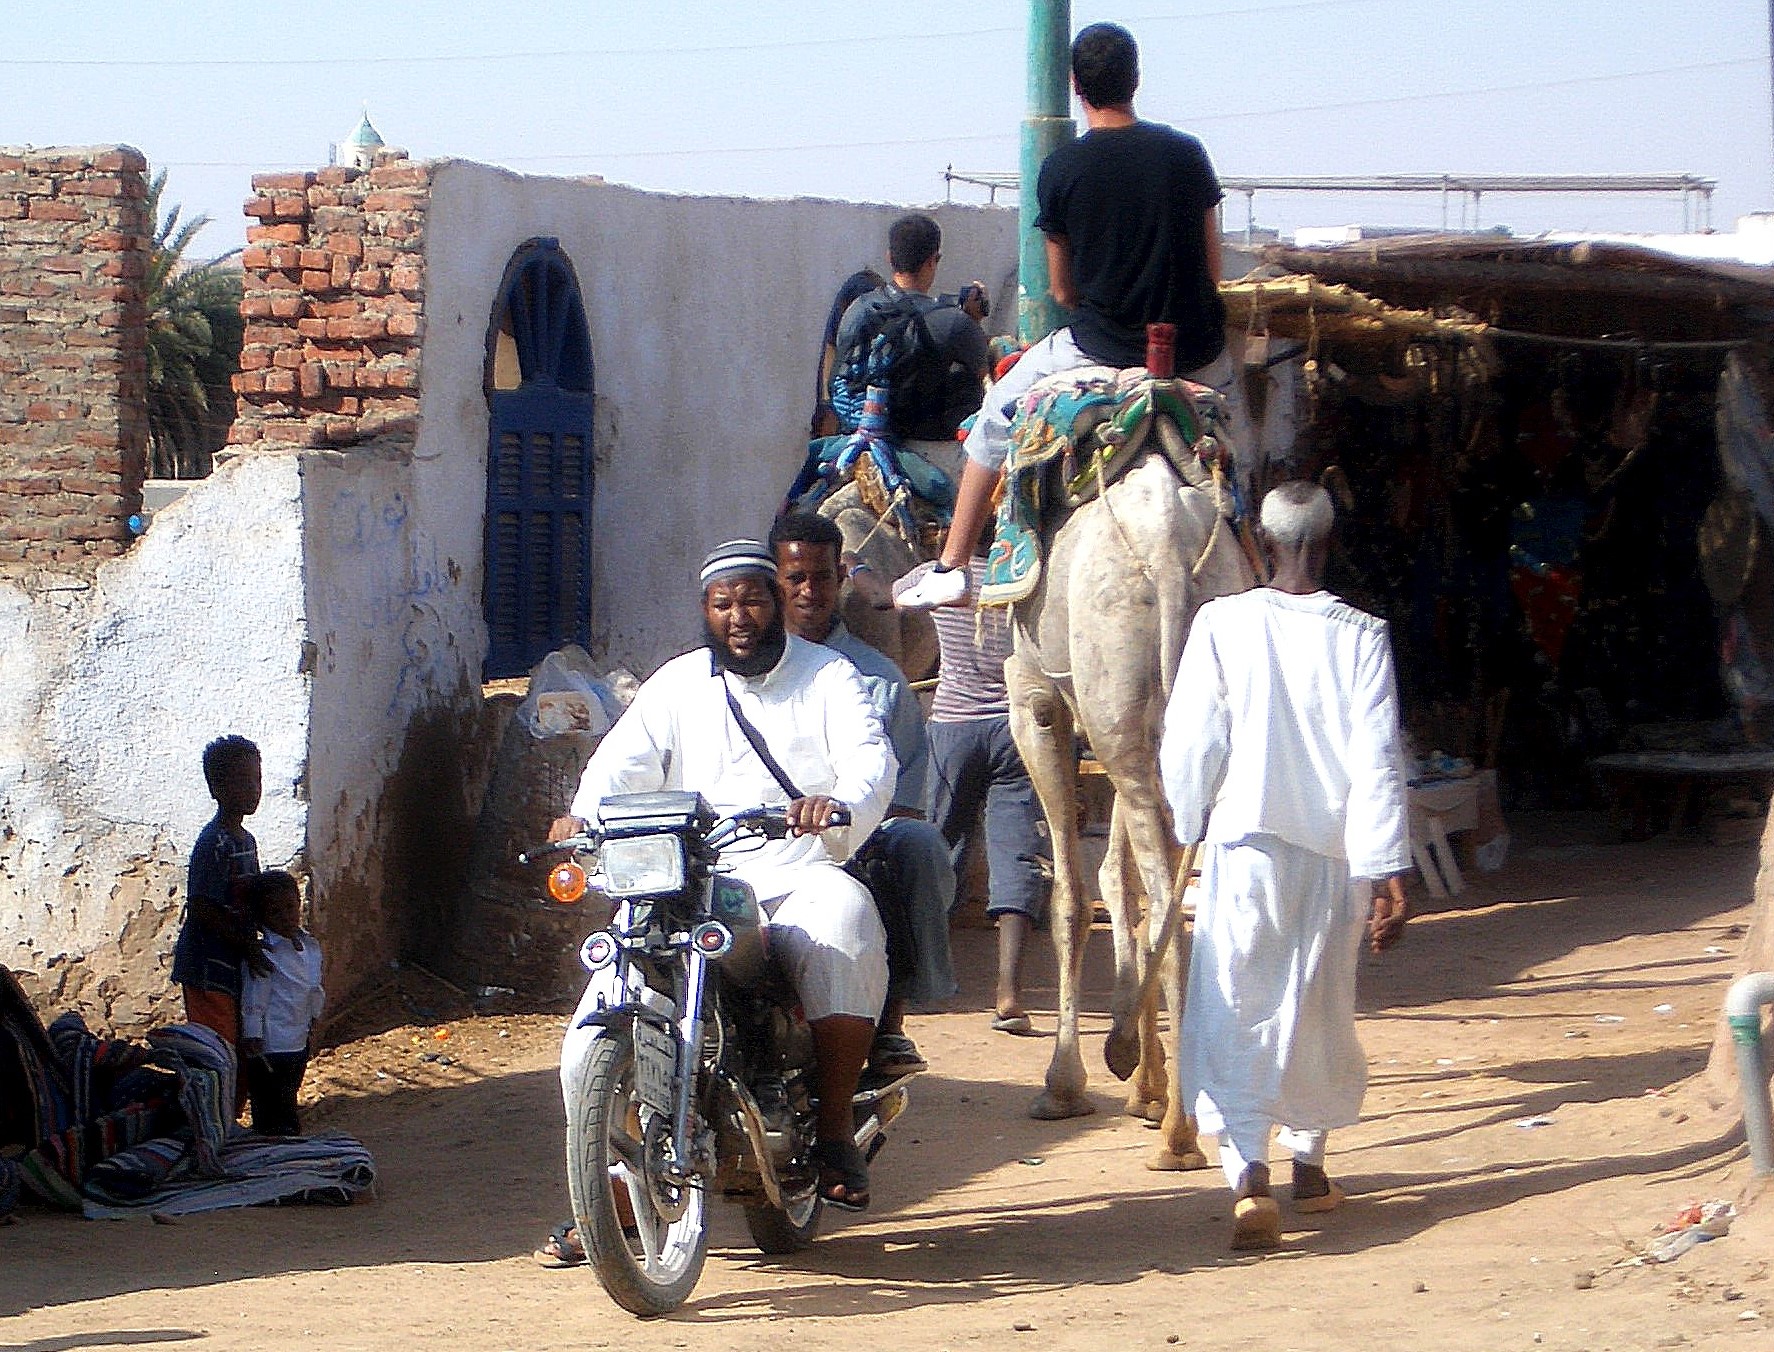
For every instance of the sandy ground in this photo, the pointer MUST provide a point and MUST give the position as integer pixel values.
(1579, 985)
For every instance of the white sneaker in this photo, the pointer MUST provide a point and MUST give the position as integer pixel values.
(938, 587)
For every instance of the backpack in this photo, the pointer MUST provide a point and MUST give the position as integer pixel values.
(893, 348)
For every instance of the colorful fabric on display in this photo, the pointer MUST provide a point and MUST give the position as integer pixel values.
(1094, 423)
(333, 1168)
(206, 1089)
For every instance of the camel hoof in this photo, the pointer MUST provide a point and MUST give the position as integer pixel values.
(1149, 1111)
(1051, 1107)
(1121, 1053)
(1166, 1161)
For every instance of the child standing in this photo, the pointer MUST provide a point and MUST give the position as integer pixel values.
(278, 1008)
(217, 938)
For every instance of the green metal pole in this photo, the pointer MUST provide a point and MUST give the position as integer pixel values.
(1047, 127)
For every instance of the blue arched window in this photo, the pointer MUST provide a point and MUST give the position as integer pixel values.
(539, 463)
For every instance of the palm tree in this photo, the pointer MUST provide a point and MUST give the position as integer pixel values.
(194, 333)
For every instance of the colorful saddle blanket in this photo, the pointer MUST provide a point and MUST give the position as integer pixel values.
(832, 462)
(1072, 436)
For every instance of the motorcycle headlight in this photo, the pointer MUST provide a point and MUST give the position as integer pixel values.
(642, 866)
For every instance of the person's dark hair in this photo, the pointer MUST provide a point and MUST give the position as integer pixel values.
(1106, 65)
(808, 528)
(257, 890)
(223, 754)
(912, 242)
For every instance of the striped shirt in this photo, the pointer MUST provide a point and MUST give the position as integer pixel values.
(975, 644)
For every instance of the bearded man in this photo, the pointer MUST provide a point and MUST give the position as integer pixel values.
(810, 709)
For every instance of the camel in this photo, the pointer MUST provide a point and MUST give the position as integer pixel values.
(1096, 649)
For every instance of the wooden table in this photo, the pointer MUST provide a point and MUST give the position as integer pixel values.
(1628, 774)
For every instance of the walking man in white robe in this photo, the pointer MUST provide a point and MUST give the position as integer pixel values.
(1281, 752)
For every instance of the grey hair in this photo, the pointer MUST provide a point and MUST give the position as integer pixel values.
(1298, 514)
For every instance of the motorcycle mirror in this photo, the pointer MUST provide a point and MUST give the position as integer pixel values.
(566, 882)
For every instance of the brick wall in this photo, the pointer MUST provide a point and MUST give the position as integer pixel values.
(74, 235)
(335, 274)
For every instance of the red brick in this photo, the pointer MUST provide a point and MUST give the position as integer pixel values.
(273, 335)
(124, 157)
(92, 187)
(54, 211)
(112, 239)
(125, 265)
(317, 281)
(282, 182)
(279, 281)
(51, 411)
(311, 327)
(341, 375)
(402, 378)
(275, 234)
(346, 246)
(341, 270)
(400, 176)
(289, 207)
(310, 259)
(255, 307)
(286, 258)
(403, 326)
(400, 200)
(370, 281)
(60, 263)
(289, 357)
(333, 309)
(288, 307)
(255, 257)
(280, 382)
(364, 326)
(407, 278)
(335, 175)
(313, 380)
(371, 378)
(260, 207)
(11, 209)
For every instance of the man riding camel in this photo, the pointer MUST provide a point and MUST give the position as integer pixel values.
(1130, 215)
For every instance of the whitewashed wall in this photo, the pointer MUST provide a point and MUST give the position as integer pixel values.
(109, 690)
(705, 317)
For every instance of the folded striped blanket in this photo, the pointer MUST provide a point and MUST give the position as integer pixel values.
(332, 1168)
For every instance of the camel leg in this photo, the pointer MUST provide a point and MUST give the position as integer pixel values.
(1177, 1147)
(1041, 724)
(1122, 897)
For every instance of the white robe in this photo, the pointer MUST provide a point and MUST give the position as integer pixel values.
(1281, 749)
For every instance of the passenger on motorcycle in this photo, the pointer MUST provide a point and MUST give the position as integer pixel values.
(906, 861)
(813, 729)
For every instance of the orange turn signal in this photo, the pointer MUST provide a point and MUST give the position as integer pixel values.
(566, 883)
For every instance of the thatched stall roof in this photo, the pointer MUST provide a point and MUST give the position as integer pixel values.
(1308, 308)
(1558, 287)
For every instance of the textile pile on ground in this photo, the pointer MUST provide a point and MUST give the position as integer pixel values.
(109, 1126)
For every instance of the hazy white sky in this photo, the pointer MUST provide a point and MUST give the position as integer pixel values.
(870, 101)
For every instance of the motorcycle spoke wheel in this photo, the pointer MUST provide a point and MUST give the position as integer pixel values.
(648, 1263)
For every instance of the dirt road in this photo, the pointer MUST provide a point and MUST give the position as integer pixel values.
(1579, 986)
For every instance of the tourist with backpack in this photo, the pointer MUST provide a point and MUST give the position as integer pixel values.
(929, 355)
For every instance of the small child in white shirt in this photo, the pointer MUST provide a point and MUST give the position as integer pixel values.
(278, 1010)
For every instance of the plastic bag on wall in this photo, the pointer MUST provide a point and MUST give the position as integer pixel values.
(567, 696)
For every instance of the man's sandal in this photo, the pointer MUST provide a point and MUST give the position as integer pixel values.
(1316, 1204)
(1256, 1224)
(843, 1175)
(562, 1249)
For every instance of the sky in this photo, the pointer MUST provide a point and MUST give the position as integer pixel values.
(872, 101)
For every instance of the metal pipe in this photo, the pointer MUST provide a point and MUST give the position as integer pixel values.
(1743, 1012)
(1047, 127)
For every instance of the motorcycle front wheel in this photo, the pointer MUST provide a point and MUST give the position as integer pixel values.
(647, 1261)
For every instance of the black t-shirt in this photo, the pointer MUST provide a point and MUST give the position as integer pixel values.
(1132, 202)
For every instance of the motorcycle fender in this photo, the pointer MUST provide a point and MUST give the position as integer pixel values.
(605, 991)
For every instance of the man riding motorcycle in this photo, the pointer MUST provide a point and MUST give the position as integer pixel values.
(759, 716)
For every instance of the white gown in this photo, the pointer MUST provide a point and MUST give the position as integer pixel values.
(1281, 749)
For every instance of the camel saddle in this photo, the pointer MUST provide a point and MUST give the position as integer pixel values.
(1074, 434)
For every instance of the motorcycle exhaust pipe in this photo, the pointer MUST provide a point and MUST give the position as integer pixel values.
(751, 1120)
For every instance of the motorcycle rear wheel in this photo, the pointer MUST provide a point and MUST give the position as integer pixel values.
(647, 1263)
(777, 1230)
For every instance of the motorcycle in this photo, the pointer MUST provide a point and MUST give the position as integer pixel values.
(689, 1068)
